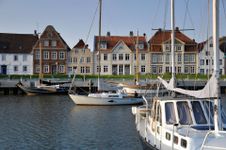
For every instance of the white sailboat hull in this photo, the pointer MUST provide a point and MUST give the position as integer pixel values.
(85, 100)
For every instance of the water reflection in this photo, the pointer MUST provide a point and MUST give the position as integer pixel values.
(54, 122)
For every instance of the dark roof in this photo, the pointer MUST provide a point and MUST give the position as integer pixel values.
(222, 44)
(111, 41)
(81, 44)
(17, 43)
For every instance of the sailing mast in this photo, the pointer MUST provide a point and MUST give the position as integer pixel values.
(100, 12)
(173, 42)
(40, 61)
(216, 63)
(137, 59)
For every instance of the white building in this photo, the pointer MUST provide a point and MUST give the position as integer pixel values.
(16, 53)
(118, 55)
(206, 63)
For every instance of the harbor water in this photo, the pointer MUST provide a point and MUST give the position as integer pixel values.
(55, 122)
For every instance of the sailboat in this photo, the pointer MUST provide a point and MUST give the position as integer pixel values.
(103, 98)
(184, 122)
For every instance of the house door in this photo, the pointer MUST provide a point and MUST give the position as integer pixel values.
(54, 69)
(4, 69)
(127, 69)
(114, 69)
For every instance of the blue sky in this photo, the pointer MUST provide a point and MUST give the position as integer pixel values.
(72, 18)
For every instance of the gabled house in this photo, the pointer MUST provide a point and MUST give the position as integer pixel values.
(80, 58)
(185, 53)
(54, 53)
(206, 62)
(118, 54)
(16, 55)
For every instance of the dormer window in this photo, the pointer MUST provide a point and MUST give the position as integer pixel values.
(179, 48)
(46, 43)
(103, 45)
(141, 45)
(167, 47)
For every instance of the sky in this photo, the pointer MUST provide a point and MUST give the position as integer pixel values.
(72, 18)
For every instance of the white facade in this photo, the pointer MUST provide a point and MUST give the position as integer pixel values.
(206, 59)
(121, 61)
(15, 63)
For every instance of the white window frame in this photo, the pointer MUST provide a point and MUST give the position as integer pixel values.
(37, 54)
(61, 55)
(46, 43)
(61, 68)
(46, 68)
(45, 55)
(54, 55)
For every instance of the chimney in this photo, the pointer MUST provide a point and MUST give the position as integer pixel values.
(108, 33)
(177, 28)
(35, 33)
(131, 33)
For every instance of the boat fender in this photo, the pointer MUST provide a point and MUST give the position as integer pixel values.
(111, 101)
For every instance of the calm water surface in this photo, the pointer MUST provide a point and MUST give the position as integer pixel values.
(55, 122)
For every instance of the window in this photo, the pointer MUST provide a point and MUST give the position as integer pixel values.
(15, 68)
(186, 58)
(202, 62)
(198, 113)
(87, 69)
(184, 113)
(114, 57)
(168, 48)
(98, 69)
(105, 56)
(207, 62)
(179, 58)
(46, 68)
(81, 59)
(54, 43)
(186, 69)
(220, 63)
(62, 55)
(54, 55)
(192, 70)
(192, 58)
(45, 55)
(207, 53)
(120, 57)
(179, 48)
(82, 69)
(142, 56)
(103, 45)
(135, 57)
(179, 70)
(46, 43)
(154, 69)
(211, 44)
(15, 58)
(37, 68)
(127, 56)
(105, 68)
(3, 57)
(160, 69)
(201, 71)
(37, 55)
(75, 59)
(24, 57)
(120, 69)
(168, 58)
(141, 45)
(143, 69)
(154, 58)
(88, 59)
(170, 113)
(167, 69)
(61, 68)
(24, 68)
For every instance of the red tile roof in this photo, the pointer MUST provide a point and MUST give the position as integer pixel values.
(113, 40)
(17, 43)
(162, 36)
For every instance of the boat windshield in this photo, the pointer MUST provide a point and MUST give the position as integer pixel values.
(198, 113)
(184, 113)
(209, 110)
(170, 113)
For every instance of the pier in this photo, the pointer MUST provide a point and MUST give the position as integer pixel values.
(8, 87)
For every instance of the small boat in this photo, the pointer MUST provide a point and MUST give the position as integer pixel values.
(42, 89)
(105, 98)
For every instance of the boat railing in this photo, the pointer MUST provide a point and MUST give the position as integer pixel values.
(208, 134)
